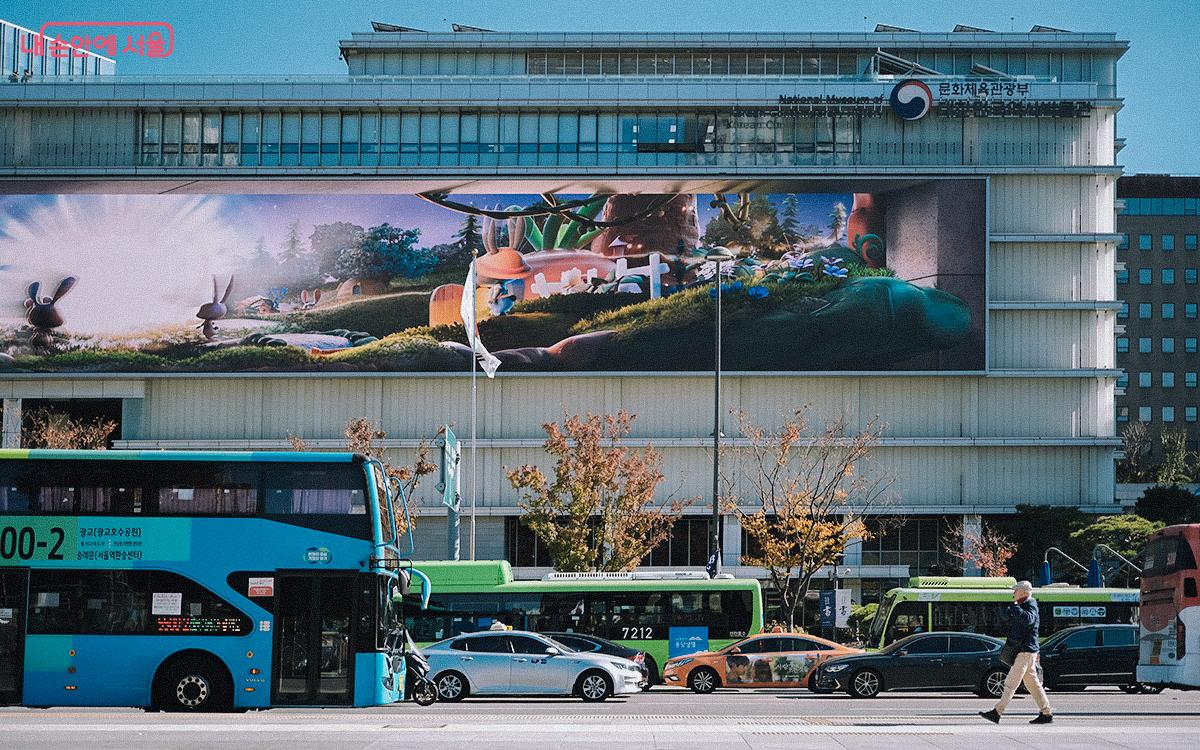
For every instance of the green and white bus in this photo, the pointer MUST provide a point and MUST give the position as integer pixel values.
(976, 605)
(662, 613)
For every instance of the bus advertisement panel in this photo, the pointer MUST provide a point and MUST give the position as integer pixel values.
(1169, 652)
(195, 580)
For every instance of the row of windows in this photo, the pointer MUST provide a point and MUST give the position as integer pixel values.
(180, 488)
(1161, 206)
(1166, 242)
(1166, 380)
(1166, 414)
(1166, 276)
(701, 62)
(1146, 345)
(1166, 311)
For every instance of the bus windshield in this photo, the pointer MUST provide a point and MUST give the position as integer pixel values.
(881, 617)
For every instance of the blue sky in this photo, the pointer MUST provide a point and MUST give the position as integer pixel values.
(1157, 77)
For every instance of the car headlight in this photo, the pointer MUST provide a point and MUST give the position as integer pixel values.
(681, 662)
(835, 668)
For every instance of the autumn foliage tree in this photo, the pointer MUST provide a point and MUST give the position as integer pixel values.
(45, 428)
(984, 546)
(597, 511)
(809, 489)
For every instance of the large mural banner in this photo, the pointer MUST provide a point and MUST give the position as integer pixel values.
(886, 276)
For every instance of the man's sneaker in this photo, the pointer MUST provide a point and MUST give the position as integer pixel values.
(991, 716)
(1043, 719)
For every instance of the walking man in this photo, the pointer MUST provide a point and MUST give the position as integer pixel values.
(1023, 645)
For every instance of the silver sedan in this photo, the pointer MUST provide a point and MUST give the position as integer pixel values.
(521, 663)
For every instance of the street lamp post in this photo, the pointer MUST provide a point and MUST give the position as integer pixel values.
(717, 255)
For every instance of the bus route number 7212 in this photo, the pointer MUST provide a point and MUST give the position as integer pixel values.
(22, 543)
(641, 633)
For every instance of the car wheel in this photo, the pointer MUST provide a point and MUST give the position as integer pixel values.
(653, 675)
(992, 685)
(593, 687)
(452, 686)
(193, 684)
(1130, 689)
(1149, 689)
(703, 680)
(865, 684)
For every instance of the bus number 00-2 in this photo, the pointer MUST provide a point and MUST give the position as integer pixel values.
(21, 543)
(637, 634)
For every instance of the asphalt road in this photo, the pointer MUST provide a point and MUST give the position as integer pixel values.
(664, 718)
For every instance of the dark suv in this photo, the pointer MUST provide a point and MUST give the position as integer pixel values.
(1075, 658)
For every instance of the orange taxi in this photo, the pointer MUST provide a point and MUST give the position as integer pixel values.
(766, 660)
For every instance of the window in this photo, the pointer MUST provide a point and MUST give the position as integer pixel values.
(1123, 242)
(1122, 344)
(1168, 242)
(1081, 639)
(905, 619)
(487, 644)
(1166, 555)
(1168, 414)
(522, 547)
(804, 644)
(1145, 414)
(1168, 276)
(762, 646)
(1189, 414)
(646, 610)
(1122, 413)
(1189, 242)
(1145, 345)
(1124, 311)
(1145, 379)
(523, 644)
(1145, 276)
(1167, 379)
(1168, 344)
(965, 644)
(1145, 311)
(934, 644)
(1189, 310)
(1168, 311)
(1123, 381)
(1189, 344)
(326, 489)
(127, 602)
(1123, 276)
(1145, 242)
(1189, 275)
(1189, 380)
(1118, 637)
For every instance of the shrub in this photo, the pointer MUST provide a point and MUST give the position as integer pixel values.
(1170, 504)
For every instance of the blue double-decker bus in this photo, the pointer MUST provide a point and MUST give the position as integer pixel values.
(198, 581)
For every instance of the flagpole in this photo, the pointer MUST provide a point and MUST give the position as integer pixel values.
(474, 419)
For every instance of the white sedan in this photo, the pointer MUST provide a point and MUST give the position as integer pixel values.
(522, 663)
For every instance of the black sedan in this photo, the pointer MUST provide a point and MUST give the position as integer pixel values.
(925, 661)
(1085, 655)
(595, 644)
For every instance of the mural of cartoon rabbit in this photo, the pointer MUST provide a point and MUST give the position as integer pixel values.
(309, 302)
(42, 315)
(213, 311)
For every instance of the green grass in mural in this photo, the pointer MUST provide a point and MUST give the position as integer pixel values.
(379, 316)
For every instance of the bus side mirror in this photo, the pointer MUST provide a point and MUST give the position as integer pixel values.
(403, 583)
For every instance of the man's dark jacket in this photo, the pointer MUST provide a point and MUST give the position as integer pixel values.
(1023, 621)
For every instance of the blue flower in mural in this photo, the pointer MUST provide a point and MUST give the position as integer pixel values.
(836, 272)
(801, 262)
(758, 291)
(735, 286)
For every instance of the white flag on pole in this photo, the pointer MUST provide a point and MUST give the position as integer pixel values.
(487, 360)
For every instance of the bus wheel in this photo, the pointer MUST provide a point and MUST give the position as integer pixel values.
(703, 680)
(451, 686)
(193, 683)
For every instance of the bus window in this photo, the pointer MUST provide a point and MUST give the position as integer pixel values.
(1166, 555)
(309, 489)
(907, 618)
(880, 619)
(736, 612)
(203, 487)
(638, 615)
(687, 608)
(970, 617)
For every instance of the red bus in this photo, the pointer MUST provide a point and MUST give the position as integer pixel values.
(1169, 652)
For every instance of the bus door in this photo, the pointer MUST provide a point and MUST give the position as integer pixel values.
(13, 587)
(314, 639)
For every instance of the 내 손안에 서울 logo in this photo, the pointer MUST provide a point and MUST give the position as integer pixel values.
(911, 99)
(315, 555)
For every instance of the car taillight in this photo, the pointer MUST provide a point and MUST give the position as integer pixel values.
(640, 658)
(1180, 639)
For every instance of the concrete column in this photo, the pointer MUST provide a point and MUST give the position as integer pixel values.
(731, 548)
(853, 552)
(972, 528)
(12, 424)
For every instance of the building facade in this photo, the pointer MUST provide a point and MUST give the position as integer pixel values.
(1030, 117)
(1158, 262)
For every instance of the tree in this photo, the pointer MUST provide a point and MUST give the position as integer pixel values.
(1176, 464)
(1136, 439)
(985, 547)
(788, 224)
(837, 220)
(291, 250)
(469, 238)
(362, 436)
(1126, 534)
(808, 491)
(386, 251)
(1169, 504)
(1036, 528)
(45, 428)
(598, 512)
(329, 241)
(760, 232)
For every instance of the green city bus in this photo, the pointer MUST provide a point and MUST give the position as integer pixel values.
(662, 613)
(976, 605)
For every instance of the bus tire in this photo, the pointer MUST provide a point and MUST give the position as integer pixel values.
(594, 686)
(703, 680)
(452, 686)
(195, 681)
(865, 683)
